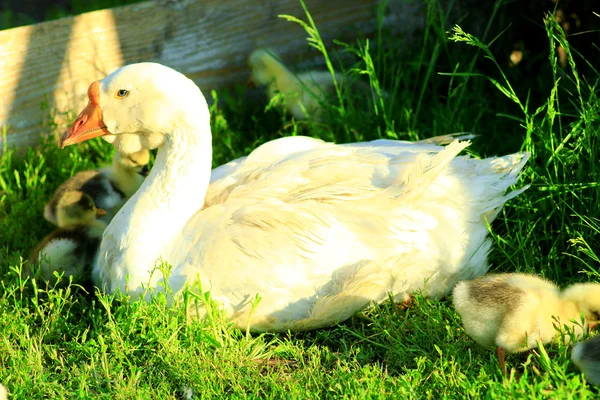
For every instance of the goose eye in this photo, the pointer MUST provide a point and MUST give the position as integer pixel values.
(121, 93)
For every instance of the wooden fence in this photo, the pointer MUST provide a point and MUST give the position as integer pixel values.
(48, 66)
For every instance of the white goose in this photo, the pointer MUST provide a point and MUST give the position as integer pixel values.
(317, 233)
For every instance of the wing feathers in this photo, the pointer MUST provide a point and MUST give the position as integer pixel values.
(285, 227)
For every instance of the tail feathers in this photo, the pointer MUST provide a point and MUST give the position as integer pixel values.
(496, 205)
(495, 178)
(510, 167)
(511, 164)
(449, 138)
(426, 169)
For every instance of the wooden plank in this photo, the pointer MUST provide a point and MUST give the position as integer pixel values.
(48, 66)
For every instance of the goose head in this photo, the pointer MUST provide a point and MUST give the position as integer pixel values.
(137, 107)
(76, 208)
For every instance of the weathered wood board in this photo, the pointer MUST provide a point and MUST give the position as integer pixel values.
(49, 66)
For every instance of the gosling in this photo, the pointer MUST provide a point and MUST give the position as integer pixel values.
(586, 356)
(516, 311)
(71, 249)
(109, 188)
(303, 93)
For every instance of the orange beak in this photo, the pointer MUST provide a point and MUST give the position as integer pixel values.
(100, 212)
(88, 123)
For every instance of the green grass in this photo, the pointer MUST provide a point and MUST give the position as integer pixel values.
(68, 343)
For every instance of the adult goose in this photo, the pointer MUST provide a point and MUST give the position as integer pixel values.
(317, 233)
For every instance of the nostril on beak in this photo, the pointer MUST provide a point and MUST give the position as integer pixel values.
(80, 122)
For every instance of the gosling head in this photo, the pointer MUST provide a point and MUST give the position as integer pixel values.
(134, 163)
(76, 208)
(587, 298)
(262, 62)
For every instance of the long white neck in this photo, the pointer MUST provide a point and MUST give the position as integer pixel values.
(143, 231)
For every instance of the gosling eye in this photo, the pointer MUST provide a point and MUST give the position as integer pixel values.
(121, 94)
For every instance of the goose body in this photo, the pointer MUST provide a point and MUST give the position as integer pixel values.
(73, 248)
(317, 233)
(586, 355)
(109, 187)
(516, 311)
(267, 152)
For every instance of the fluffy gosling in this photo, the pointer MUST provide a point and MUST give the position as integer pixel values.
(302, 93)
(72, 248)
(109, 188)
(515, 311)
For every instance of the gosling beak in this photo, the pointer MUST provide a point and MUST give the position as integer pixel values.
(88, 123)
(100, 212)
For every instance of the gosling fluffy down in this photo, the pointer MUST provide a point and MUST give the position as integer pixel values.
(71, 249)
(109, 188)
(302, 93)
(515, 311)
(586, 356)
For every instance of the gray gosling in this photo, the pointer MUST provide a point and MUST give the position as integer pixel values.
(586, 356)
(71, 249)
(109, 188)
